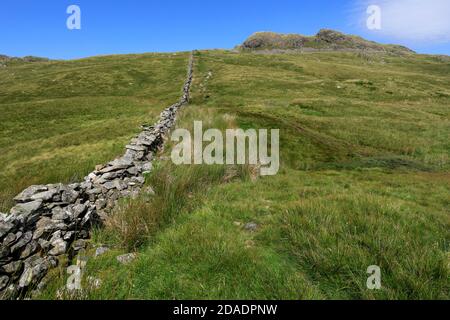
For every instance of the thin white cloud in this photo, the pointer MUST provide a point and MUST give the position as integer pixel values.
(426, 21)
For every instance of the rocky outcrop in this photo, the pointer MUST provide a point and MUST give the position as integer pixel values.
(324, 40)
(52, 221)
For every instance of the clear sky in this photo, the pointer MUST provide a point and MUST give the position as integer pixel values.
(38, 27)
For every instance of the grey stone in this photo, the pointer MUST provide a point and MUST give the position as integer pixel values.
(4, 280)
(59, 213)
(89, 219)
(127, 258)
(120, 185)
(109, 185)
(26, 194)
(2, 216)
(23, 241)
(12, 268)
(143, 142)
(29, 249)
(10, 292)
(44, 244)
(69, 195)
(118, 164)
(26, 209)
(100, 204)
(92, 176)
(4, 252)
(10, 239)
(45, 195)
(94, 191)
(147, 166)
(83, 234)
(86, 185)
(251, 226)
(136, 148)
(133, 171)
(100, 250)
(107, 177)
(139, 180)
(78, 210)
(56, 235)
(5, 228)
(35, 270)
(59, 247)
(44, 226)
(74, 186)
(68, 236)
(130, 154)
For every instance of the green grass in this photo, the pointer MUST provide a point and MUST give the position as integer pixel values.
(364, 180)
(59, 119)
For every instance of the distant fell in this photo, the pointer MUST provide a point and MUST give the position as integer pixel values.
(4, 59)
(325, 39)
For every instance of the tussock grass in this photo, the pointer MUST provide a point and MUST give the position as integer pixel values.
(176, 189)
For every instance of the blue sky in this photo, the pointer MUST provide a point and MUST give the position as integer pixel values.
(32, 27)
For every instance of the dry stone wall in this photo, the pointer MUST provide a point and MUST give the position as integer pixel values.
(51, 221)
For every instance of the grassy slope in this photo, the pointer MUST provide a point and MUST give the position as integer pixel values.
(364, 180)
(60, 119)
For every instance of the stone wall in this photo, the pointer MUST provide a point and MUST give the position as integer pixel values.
(52, 221)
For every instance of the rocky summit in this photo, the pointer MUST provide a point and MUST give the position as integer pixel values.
(324, 40)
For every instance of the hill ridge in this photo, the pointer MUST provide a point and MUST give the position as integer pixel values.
(324, 40)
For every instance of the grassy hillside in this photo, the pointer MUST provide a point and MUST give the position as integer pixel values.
(364, 181)
(61, 118)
